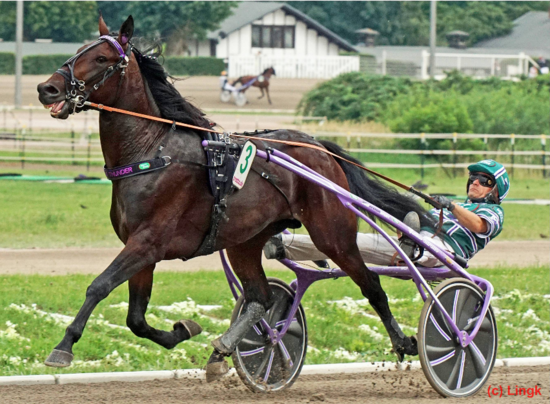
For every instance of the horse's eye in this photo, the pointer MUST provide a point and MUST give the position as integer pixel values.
(101, 59)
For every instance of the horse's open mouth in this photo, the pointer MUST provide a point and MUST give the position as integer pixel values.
(59, 109)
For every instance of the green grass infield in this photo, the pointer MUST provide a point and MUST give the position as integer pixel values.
(342, 326)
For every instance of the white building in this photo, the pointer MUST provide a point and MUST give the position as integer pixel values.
(264, 34)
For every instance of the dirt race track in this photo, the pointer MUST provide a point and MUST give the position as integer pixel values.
(384, 387)
(95, 260)
(203, 91)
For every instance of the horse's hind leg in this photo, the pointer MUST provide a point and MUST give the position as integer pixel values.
(341, 247)
(140, 286)
(246, 260)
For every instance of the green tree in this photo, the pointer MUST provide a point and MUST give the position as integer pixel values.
(62, 21)
(407, 23)
(176, 22)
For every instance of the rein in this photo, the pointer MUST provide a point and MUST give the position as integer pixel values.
(412, 190)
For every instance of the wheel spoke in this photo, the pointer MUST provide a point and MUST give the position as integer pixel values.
(439, 328)
(274, 311)
(267, 357)
(285, 356)
(456, 374)
(463, 297)
(294, 330)
(250, 344)
(477, 359)
(252, 352)
(435, 353)
(486, 325)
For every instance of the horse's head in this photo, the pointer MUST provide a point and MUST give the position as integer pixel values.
(88, 73)
(270, 71)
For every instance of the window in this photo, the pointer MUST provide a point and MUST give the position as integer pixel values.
(266, 37)
(272, 36)
(277, 37)
(256, 36)
(289, 37)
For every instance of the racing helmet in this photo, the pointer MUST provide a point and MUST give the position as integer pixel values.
(499, 175)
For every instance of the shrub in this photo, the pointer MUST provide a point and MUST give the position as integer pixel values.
(194, 66)
(43, 64)
(7, 63)
(437, 113)
(517, 109)
(353, 96)
(456, 104)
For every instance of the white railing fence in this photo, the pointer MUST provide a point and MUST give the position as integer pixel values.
(304, 67)
(478, 65)
(74, 148)
(393, 63)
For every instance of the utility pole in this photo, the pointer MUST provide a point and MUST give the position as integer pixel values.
(433, 20)
(18, 53)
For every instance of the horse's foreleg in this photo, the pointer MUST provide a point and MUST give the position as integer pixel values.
(267, 92)
(140, 286)
(262, 90)
(133, 258)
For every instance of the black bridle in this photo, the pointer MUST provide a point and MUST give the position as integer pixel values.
(75, 89)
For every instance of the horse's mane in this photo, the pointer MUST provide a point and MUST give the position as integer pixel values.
(169, 101)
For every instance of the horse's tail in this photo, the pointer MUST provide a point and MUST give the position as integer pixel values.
(239, 80)
(375, 191)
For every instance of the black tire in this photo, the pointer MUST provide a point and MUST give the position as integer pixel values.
(281, 363)
(454, 371)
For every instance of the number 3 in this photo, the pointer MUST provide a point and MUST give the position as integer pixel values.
(244, 166)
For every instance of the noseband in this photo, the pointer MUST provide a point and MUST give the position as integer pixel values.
(75, 89)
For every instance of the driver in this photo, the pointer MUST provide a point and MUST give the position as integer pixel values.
(467, 227)
(224, 85)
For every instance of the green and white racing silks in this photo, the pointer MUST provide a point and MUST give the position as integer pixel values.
(464, 242)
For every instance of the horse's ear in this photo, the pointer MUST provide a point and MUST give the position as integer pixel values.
(103, 30)
(126, 31)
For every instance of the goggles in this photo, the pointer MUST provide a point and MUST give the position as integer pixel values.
(484, 180)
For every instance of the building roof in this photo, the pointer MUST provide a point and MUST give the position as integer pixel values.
(249, 11)
(531, 32)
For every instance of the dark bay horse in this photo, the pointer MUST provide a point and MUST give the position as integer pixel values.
(261, 81)
(166, 214)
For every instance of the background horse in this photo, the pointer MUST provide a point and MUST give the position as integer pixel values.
(261, 81)
(166, 214)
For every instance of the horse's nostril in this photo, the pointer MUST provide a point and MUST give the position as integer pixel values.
(48, 89)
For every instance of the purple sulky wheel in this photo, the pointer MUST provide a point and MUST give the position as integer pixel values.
(264, 367)
(454, 371)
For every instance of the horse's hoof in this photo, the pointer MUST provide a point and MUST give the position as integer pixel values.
(409, 347)
(220, 347)
(191, 327)
(216, 367)
(59, 359)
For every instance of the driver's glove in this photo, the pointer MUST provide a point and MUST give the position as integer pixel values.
(445, 202)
